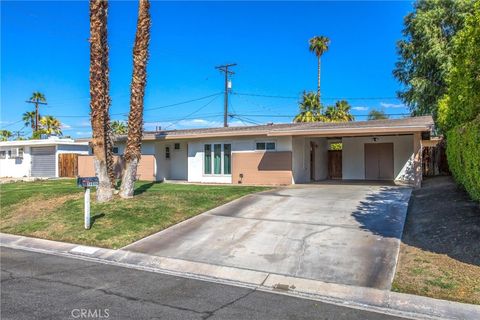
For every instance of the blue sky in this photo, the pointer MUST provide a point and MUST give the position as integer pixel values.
(44, 47)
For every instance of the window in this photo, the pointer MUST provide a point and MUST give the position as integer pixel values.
(217, 159)
(177, 146)
(115, 150)
(3, 154)
(269, 146)
(20, 153)
(9, 152)
(227, 159)
(208, 159)
(167, 152)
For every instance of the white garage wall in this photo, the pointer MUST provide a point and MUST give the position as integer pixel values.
(353, 156)
(247, 144)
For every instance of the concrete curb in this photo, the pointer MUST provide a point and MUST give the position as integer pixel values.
(382, 301)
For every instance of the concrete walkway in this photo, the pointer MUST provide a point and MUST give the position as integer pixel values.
(343, 233)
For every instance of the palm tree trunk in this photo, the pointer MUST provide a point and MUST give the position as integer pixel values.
(318, 84)
(135, 117)
(99, 98)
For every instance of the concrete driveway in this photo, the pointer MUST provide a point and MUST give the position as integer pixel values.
(340, 233)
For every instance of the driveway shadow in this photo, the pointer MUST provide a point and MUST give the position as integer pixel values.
(442, 219)
(383, 212)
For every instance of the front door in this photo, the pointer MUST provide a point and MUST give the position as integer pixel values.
(379, 161)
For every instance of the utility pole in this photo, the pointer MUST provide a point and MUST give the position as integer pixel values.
(37, 102)
(224, 69)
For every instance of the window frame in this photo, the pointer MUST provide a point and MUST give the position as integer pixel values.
(167, 153)
(265, 142)
(212, 159)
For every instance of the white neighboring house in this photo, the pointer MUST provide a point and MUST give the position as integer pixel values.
(36, 158)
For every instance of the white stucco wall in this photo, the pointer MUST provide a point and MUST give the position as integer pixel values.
(301, 159)
(16, 168)
(353, 156)
(240, 144)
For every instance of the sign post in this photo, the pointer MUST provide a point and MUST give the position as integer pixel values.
(87, 183)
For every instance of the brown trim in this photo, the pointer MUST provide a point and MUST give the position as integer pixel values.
(262, 168)
(350, 131)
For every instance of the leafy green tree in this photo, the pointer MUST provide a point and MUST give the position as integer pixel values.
(119, 127)
(425, 53)
(319, 45)
(310, 109)
(340, 112)
(462, 100)
(5, 135)
(377, 115)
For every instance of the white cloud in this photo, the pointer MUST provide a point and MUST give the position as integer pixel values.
(190, 124)
(66, 126)
(392, 105)
(84, 133)
(360, 108)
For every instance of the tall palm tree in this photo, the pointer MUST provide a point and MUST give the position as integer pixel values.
(135, 117)
(37, 97)
(340, 112)
(319, 45)
(49, 125)
(99, 97)
(29, 118)
(310, 109)
(118, 127)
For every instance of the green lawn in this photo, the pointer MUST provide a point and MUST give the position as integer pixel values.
(54, 210)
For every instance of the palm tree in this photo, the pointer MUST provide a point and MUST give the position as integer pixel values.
(5, 135)
(377, 115)
(118, 127)
(340, 112)
(319, 45)
(310, 109)
(99, 97)
(135, 117)
(37, 97)
(49, 125)
(29, 119)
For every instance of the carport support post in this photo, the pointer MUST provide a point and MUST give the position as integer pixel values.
(417, 159)
(87, 208)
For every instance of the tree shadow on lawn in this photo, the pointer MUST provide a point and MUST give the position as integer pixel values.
(144, 187)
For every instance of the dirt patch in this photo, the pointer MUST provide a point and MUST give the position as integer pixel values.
(35, 208)
(440, 255)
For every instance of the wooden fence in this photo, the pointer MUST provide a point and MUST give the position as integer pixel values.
(68, 165)
(335, 164)
(434, 160)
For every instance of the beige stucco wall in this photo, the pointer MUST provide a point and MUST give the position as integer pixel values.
(146, 167)
(274, 168)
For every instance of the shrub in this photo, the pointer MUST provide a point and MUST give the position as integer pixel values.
(463, 153)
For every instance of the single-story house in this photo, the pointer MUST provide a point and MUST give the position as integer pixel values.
(38, 158)
(288, 153)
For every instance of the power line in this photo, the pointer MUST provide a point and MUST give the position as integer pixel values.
(11, 124)
(146, 109)
(192, 113)
(293, 115)
(297, 97)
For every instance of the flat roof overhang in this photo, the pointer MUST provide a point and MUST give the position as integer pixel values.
(339, 132)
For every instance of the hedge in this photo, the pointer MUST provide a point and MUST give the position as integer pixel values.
(463, 154)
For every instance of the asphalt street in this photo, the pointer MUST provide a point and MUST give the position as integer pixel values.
(42, 286)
